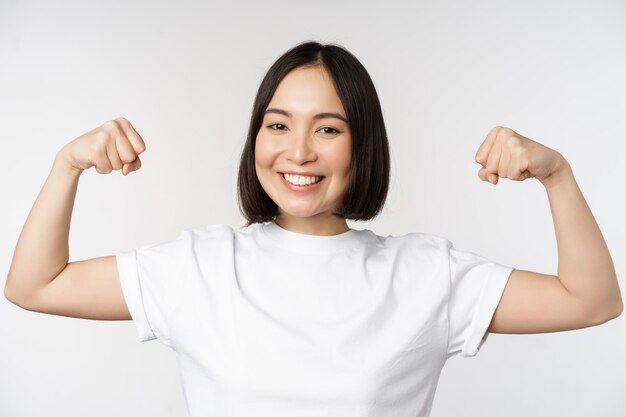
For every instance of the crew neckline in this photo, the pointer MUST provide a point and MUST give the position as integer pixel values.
(305, 243)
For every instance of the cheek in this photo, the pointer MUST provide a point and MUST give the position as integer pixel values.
(262, 153)
(342, 156)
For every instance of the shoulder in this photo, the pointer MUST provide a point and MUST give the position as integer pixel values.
(419, 246)
(418, 240)
(195, 235)
(220, 234)
(208, 232)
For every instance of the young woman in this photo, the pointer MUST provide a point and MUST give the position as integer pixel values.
(297, 314)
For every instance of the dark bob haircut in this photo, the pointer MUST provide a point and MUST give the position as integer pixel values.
(369, 169)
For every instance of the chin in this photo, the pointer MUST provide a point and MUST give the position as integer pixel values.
(300, 213)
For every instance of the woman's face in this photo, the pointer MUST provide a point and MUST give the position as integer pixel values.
(305, 131)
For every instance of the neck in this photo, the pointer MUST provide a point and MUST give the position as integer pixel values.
(327, 226)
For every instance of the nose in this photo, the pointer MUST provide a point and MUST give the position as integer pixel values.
(300, 148)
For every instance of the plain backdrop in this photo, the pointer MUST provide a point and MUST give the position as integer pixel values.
(185, 74)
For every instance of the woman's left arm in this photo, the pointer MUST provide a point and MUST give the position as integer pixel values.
(586, 291)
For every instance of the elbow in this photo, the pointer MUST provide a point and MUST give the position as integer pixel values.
(10, 295)
(609, 315)
(15, 297)
(619, 311)
(613, 308)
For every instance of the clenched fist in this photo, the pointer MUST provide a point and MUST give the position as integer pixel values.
(507, 154)
(114, 145)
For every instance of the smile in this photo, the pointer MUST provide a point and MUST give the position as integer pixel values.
(301, 183)
(302, 179)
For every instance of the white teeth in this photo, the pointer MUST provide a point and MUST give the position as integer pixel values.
(301, 180)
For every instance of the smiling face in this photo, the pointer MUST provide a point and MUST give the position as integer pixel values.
(305, 130)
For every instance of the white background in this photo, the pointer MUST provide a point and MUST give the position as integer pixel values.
(185, 74)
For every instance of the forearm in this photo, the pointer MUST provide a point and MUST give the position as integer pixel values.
(42, 249)
(585, 266)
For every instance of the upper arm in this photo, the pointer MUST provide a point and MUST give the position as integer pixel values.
(539, 303)
(88, 289)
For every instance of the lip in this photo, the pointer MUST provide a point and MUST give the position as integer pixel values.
(300, 188)
(305, 174)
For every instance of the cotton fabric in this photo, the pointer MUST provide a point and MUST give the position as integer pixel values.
(269, 322)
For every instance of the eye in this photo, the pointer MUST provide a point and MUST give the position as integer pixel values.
(276, 124)
(333, 130)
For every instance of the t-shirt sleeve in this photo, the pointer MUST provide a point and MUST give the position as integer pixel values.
(150, 277)
(476, 286)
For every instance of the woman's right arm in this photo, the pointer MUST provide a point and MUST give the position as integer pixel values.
(40, 277)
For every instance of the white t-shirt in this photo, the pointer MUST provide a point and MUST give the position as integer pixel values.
(267, 322)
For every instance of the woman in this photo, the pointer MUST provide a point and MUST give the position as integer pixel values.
(297, 314)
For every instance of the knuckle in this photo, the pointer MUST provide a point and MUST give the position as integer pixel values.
(513, 142)
(98, 146)
(521, 152)
(102, 135)
(505, 132)
(110, 125)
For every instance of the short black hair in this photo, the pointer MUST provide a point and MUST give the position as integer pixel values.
(370, 164)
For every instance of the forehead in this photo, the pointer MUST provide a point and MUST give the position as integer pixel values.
(307, 90)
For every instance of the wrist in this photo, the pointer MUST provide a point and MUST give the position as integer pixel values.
(63, 164)
(562, 173)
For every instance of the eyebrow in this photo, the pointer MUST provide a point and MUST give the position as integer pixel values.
(317, 116)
